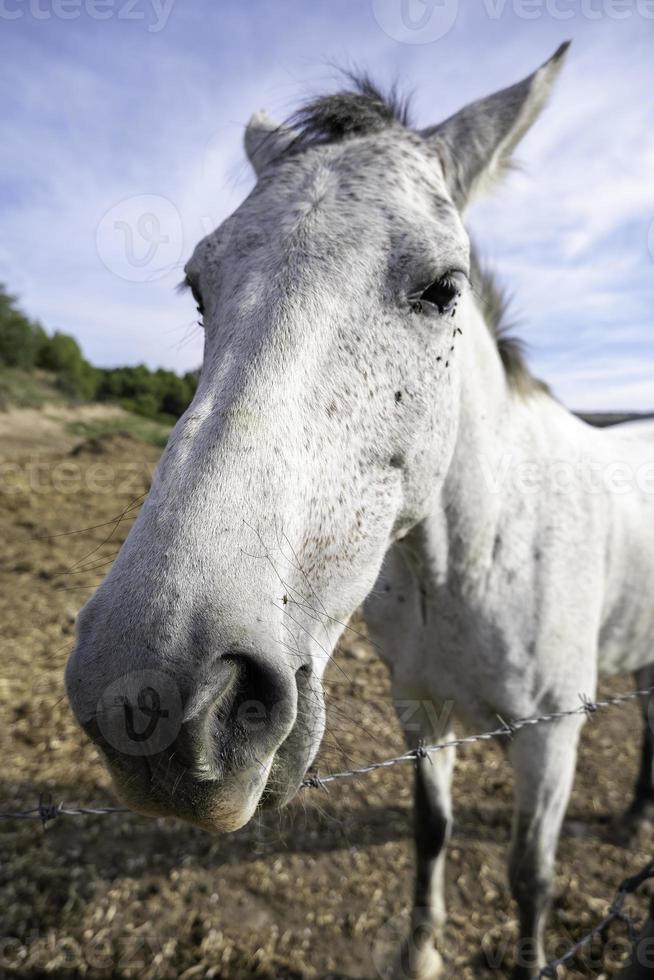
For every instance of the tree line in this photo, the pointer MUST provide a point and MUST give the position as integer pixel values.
(24, 344)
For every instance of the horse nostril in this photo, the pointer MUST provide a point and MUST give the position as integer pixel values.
(268, 688)
(245, 712)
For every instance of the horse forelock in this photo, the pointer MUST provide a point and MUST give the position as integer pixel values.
(360, 111)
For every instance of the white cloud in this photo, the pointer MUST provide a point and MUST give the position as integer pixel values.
(103, 113)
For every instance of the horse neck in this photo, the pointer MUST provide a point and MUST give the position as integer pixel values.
(496, 424)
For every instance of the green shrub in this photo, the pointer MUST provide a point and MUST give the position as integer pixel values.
(62, 355)
(25, 345)
(20, 339)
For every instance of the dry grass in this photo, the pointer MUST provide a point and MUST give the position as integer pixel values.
(320, 891)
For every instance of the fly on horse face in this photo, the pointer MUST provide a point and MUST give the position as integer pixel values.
(358, 422)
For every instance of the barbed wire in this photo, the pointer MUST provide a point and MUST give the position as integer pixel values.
(616, 913)
(46, 810)
(507, 730)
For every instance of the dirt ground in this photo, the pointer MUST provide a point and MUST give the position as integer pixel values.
(322, 890)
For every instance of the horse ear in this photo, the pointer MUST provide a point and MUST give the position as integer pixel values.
(475, 144)
(265, 140)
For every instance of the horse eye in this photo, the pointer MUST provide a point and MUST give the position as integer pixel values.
(198, 300)
(197, 296)
(441, 293)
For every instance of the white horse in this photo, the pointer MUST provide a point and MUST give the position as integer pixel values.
(363, 431)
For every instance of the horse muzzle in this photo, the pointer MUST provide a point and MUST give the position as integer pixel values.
(210, 752)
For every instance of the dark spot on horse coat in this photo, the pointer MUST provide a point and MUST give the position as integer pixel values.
(397, 461)
(423, 604)
(398, 396)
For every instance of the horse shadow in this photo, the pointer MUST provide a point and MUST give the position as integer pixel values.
(309, 827)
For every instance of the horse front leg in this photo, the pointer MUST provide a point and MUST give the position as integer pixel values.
(640, 813)
(544, 759)
(419, 957)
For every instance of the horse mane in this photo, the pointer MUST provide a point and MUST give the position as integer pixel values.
(363, 110)
(494, 302)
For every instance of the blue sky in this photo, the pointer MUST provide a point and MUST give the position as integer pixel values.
(120, 146)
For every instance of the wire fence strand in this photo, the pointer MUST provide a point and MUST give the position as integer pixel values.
(506, 730)
(47, 810)
(616, 913)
